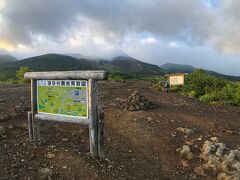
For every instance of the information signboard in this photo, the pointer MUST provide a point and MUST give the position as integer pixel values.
(176, 80)
(67, 96)
(63, 97)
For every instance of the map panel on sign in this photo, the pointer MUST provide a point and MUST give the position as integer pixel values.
(63, 97)
(176, 80)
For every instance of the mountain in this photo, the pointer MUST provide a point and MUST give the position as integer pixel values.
(131, 67)
(76, 56)
(80, 56)
(179, 68)
(5, 59)
(48, 62)
(125, 65)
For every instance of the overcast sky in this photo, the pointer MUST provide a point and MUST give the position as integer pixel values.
(203, 33)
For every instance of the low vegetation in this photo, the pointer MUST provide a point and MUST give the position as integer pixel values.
(211, 89)
(20, 74)
(19, 77)
(117, 77)
(158, 81)
(207, 88)
(9, 81)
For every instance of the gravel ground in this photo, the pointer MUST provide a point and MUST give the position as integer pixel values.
(145, 144)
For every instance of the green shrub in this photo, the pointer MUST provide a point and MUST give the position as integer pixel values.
(238, 93)
(158, 82)
(9, 81)
(117, 77)
(176, 89)
(202, 83)
(229, 94)
(210, 97)
(20, 74)
(207, 88)
(212, 89)
(191, 94)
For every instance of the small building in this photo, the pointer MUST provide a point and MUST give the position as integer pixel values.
(177, 79)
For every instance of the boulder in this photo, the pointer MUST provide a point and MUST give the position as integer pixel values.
(45, 173)
(185, 130)
(221, 149)
(215, 139)
(186, 151)
(208, 147)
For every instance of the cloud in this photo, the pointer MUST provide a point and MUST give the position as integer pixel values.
(22, 20)
(148, 40)
(200, 57)
(101, 27)
(225, 32)
(172, 44)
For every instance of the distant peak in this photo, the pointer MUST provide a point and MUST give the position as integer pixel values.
(175, 64)
(7, 58)
(124, 58)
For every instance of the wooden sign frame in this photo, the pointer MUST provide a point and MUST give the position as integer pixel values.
(95, 119)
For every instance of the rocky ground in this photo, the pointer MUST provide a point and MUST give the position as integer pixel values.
(180, 138)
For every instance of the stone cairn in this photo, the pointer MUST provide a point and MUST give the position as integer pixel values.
(135, 102)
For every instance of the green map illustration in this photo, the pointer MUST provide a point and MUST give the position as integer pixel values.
(63, 100)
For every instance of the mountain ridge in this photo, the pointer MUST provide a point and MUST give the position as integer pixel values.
(6, 58)
(125, 65)
(131, 67)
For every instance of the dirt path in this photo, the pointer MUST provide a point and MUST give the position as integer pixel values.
(139, 145)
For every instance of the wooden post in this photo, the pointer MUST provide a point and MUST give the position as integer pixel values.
(30, 128)
(35, 122)
(92, 109)
(100, 132)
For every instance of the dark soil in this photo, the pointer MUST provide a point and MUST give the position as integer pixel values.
(138, 144)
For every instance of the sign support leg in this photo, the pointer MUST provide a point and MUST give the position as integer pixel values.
(35, 122)
(92, 109)
(30, 128)
(100, 132)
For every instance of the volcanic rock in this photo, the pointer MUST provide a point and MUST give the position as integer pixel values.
(45, 173)
(135, 102)
(186, 151)
(2, 130)
(187, 131)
